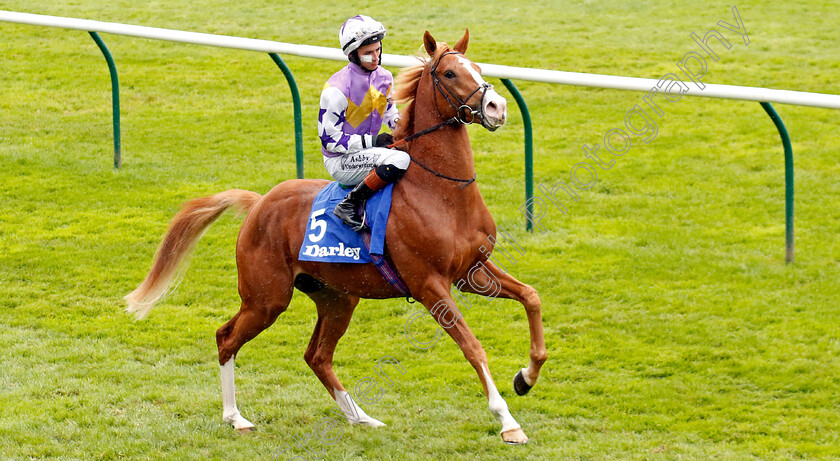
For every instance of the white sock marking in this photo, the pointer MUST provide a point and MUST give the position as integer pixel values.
(498, 406)
(230, 413)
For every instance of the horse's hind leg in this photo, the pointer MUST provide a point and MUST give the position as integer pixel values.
(334, 312)
(258, 311)
(487, 279)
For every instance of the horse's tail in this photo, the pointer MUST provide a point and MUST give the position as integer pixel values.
(184, 231)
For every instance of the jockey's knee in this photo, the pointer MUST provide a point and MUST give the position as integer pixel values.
(395, 158)
(389, 172)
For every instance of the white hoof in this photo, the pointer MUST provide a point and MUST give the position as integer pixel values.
(369, 422)
(354, 414)
(514, 436)
(239, 423)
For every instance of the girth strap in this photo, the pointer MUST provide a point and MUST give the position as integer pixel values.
(391, 275)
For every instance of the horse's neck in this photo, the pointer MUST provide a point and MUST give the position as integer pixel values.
(447, 151)
(437, 209)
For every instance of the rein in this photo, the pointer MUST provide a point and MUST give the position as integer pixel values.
(466, 182)
(451, 121)
(457, 119)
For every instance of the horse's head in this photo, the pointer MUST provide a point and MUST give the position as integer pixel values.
(460, 90)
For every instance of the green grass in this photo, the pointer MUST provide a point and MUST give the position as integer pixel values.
(675, 329)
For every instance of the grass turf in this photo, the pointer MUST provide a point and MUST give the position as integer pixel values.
(675, 330)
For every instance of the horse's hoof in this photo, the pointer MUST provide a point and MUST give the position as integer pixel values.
(370, 422)
(514, 436)
(519, 384)
(245, 430)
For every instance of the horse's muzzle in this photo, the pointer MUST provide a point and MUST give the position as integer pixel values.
(493, 110)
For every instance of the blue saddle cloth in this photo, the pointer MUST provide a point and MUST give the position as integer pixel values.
(328, 239)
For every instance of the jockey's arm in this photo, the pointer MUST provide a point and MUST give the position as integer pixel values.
(330, 122)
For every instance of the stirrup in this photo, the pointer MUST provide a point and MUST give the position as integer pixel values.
(358, 225)
(361, 227)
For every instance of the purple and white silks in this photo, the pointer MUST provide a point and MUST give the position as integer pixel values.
(354, 105)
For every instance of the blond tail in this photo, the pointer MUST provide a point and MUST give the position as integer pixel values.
(184, 231)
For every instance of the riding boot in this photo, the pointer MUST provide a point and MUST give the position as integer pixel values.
(348, 209)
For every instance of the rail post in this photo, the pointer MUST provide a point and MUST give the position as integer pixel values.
(529, 152)
(788, 179)
(115, 96)
(298, 122)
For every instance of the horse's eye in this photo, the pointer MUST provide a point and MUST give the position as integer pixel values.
(449, 74)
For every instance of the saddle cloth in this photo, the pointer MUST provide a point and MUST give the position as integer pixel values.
(328, 239)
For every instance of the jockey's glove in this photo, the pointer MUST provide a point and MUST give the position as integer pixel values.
(383, 140)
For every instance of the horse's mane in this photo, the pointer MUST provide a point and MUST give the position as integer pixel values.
(408, 81)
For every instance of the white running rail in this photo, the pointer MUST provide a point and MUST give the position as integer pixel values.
(800, 98)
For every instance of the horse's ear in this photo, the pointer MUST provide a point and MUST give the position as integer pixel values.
(430, 43)
(462, 44)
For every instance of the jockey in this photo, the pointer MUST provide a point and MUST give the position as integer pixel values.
(355, 102)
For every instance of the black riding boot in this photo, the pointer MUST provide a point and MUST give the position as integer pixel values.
(347, 209)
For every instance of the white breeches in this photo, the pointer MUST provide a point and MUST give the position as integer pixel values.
(351, 169)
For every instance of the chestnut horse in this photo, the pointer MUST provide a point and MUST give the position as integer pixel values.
(438, 225)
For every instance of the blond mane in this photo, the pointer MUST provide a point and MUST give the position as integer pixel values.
(407, 83)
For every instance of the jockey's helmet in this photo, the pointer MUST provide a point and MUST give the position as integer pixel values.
(359, 31)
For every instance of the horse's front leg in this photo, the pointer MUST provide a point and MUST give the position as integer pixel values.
(485, 278)
(445, 312)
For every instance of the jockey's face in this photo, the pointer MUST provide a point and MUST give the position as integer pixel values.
(369, 55)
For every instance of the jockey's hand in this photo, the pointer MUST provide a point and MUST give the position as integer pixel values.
(383, 140)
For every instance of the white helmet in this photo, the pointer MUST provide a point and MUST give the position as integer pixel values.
(358, 31)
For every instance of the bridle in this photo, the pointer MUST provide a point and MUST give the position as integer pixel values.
(460, 106)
